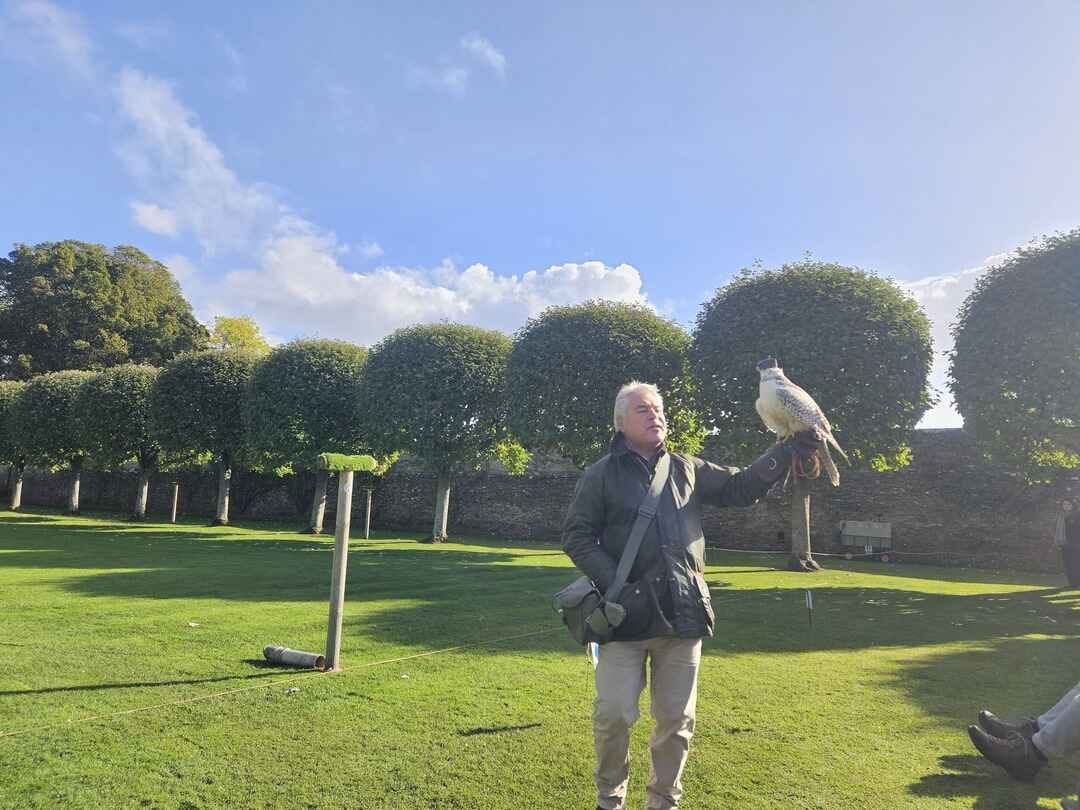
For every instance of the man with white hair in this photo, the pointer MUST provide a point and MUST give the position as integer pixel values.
(666, 625)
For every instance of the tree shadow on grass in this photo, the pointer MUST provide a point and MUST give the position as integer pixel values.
(97, 687)
(439, 596)
(1012, 677)
(776, 620)
(970, 776)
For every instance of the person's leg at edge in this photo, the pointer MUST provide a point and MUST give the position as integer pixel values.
(1059, 728)
(673, 691)
(620, 677)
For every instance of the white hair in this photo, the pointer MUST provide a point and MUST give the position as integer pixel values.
(624, 394)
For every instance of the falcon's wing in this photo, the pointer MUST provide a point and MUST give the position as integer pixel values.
(802, 407)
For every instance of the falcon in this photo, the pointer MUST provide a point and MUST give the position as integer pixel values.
(786, 409)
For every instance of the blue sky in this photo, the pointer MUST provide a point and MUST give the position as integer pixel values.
(342, 170)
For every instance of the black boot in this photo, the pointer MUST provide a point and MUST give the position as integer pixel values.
(1000, 728)
(1017, 755)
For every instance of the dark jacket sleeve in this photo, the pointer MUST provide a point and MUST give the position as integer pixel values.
(728, 486)
(583, 527)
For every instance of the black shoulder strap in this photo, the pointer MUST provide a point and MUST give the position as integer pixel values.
(645, 514)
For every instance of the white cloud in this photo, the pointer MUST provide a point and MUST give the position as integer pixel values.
(155, 218)
(181, 267)
(29, 28)
(485, 51)
(449, 79)
(176, 162)
(941, 298)
(300, 287)
(371, 250)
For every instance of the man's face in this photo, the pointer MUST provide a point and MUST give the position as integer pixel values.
(644, 424)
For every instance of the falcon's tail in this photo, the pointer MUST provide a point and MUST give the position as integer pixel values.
(836, 445)
(828, 465)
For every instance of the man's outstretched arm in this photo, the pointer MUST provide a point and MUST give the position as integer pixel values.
(730, 486)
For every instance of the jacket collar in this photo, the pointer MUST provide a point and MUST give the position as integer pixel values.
(619, 447)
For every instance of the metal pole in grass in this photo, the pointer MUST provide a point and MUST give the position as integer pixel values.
(175, 500)
(344, 466)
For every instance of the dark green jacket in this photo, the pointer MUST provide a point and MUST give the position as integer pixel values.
(672, 555)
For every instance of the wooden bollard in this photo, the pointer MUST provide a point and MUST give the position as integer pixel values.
(345, 466)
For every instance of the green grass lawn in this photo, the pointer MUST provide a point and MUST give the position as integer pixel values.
(131, 676)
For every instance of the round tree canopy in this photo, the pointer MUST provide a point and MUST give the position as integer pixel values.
(1015, 371)
(437, 392)
(46, 418)
(10, 445)
(569, 363)
(857, 343)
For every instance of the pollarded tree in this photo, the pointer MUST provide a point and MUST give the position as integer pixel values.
(439, 393)
(115, 408)
(46, 418)
(857, 343)
(197, 406)
(1015, 370)
(303, 401)
(11, 450)
(73, 305)
(569, 362)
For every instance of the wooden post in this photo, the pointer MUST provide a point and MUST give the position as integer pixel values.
(801, 557)
(367, 515)
(337, 578)
(175, 500)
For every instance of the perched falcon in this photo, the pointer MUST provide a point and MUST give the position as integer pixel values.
(786, 409)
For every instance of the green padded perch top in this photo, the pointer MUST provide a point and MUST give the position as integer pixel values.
(339, 462)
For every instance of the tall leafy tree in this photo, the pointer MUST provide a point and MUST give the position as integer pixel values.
(303, 401)
(439, 393)
(569, 362)
(240, 333)
(858, 343)
(11, 449)
(1015, 367)
(115, 408)
(73, 305)
(197, 406)
(46, 418)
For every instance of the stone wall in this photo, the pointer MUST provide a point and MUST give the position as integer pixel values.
(948, 505)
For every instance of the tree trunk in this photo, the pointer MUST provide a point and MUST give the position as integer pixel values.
(142, 493)
(367, 515)
(318, 503)
(16, 487)
(801, 559)
(442, 508)
(76, 482)
(224, 483)
(175, 500)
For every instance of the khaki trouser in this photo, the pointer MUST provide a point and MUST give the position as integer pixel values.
(620, 677)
